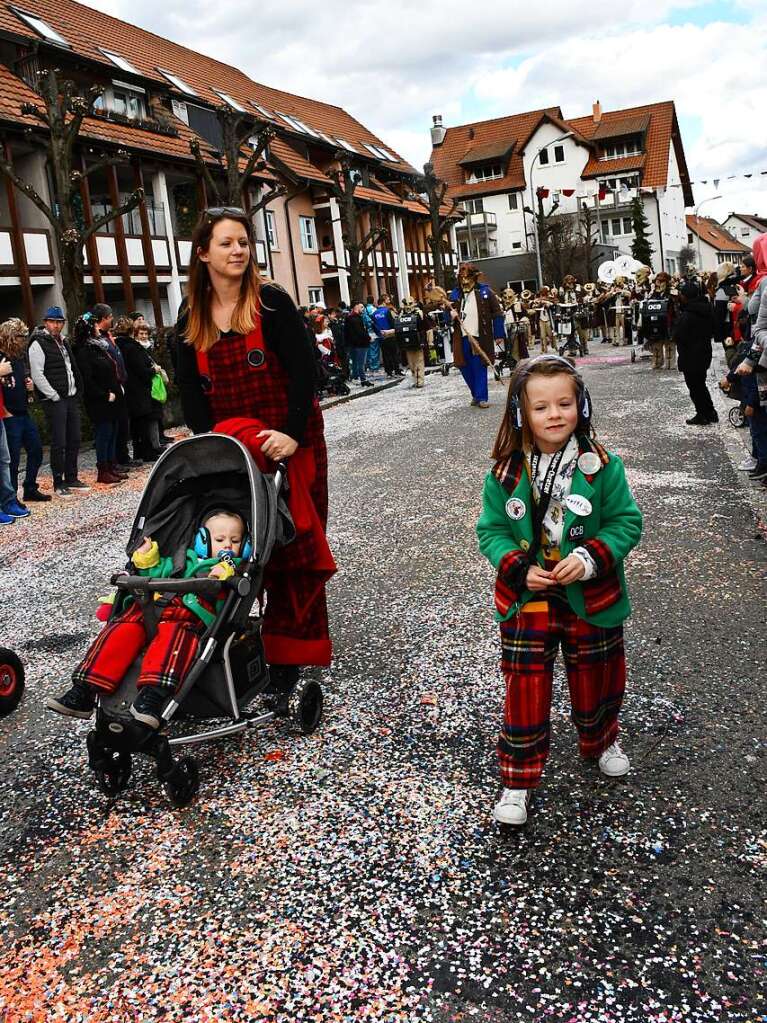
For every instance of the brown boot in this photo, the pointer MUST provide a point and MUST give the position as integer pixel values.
(105, 476)
(115, 470)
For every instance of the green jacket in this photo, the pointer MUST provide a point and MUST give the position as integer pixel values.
(608, 532)
(195, 567)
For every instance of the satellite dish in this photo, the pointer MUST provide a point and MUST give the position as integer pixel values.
(607, 272)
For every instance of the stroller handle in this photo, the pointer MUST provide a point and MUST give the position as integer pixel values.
(207, 586)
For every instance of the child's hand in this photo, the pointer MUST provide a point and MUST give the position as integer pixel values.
(538, 578)
(146, 546)
(743, 370)
(569, 570)
(220, 571)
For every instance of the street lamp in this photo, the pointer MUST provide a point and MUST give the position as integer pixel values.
(533, 206)
(697, 225)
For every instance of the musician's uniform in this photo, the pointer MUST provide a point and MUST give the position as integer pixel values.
(481, 315)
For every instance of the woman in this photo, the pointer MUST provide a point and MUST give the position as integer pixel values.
(243, 354)
(692, 335)
(158, 439)
(140, 370)
(100, 393)
(20, 428)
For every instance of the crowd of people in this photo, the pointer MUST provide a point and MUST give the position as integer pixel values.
(105, 365)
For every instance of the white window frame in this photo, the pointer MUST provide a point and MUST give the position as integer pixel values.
(313, 292)
(345, 145)
(271, 230)
(613, 222)
(629, 229)
(296, 124)
(559, 149)
(474, 205)
(308, 232)
(180, 109)
(328, 139)
(513, 201)
(118, 61)
(372, 150)
(106, 103)
(229, 100)
(41, 27)
(178, 83)
(489, 172)
(262, 110)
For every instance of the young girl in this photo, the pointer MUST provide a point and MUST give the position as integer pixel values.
(557, 520)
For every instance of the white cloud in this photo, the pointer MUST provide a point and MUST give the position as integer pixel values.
(393, 66)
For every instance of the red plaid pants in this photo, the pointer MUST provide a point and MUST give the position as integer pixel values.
(167, 658)
(596, 676)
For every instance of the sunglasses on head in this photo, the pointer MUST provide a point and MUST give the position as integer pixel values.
(225, 211)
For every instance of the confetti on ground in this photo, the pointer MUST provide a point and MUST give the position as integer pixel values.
(358, 876)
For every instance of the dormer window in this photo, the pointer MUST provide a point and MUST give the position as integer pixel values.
(631, 146)
(229, 101)
(177, 82)
(42, 28)
(487, 172)
(121, 62)
(122, 99)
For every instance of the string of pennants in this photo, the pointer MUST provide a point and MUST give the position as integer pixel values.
(543, 192)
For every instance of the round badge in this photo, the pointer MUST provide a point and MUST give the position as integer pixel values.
(515, 508)
(578, 504)
(589, 463)
(256, 358)
(524, 544)
(206, 384)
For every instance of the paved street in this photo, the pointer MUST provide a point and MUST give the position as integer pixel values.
(357, 875)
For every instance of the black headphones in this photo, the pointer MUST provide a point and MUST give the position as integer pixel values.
(523, 373)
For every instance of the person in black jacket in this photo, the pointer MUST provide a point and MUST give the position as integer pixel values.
(358, 341)
(100, 391)
(140, 371)
(692, 335)
(20, 427)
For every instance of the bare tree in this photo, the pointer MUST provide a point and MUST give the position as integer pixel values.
(588, 224)
(687, 257)
(61, 113)
(436, 190)
(237, 129)
(345, 179)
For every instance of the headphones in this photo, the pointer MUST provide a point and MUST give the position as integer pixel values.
(584, 399)
(202, 541)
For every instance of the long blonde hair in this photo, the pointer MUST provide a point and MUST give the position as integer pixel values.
(201, 332)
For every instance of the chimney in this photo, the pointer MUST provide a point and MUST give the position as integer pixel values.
(596, 112)
(437, 131)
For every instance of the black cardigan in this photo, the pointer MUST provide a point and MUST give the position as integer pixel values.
(285, 335)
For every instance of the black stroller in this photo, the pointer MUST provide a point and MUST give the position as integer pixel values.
(229, 672)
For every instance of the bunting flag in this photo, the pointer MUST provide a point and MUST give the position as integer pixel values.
(605, 191)
(543, 193)
(568, 192)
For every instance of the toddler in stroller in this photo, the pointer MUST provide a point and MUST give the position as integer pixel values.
(198, 648)
(330, 374)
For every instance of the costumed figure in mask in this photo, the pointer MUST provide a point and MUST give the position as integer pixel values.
(437, 309)
(571, 294)
(659, 311)
(477, 324)
(409, 336)
(621, 312)
(544, 302)
(516, 327)
(590, 311)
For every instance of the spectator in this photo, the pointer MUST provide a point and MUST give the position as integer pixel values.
(384, 325)
(103, 318)
(157, 435)
(57, 379)
(692, 335)
(140, 371)
(20, 429)
(100, 387)
(10, 509)
(358, 340)
(374, 349)
(337, 327)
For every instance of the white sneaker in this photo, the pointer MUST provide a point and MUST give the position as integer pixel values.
(614, 763)
(747, 464)
(511, 808)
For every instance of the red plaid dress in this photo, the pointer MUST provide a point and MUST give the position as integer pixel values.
(241, 385)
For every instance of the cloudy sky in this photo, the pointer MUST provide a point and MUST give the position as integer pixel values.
(394, 64)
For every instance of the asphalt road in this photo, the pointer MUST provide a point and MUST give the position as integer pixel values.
(357, 875)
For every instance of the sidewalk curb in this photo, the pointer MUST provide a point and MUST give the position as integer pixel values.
(385, 385)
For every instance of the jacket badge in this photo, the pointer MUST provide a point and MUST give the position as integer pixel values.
(578, 504)
(516, 508)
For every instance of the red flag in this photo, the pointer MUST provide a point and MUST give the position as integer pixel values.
(602, 192)
(542, 193)
(568, 192)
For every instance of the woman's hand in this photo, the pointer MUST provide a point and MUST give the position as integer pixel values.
(276, 445)
(569, 570)
(743, 370)
(538, 578)
(5, 367)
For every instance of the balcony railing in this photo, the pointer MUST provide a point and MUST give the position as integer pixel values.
(478, 222)
(155, 212)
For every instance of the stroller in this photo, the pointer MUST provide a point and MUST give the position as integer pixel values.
(330, 374)
(229, 671)
(11, 681)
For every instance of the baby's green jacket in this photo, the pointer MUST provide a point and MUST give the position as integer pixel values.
(608, 532)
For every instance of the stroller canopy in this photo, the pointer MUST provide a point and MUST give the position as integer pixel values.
(195, 476)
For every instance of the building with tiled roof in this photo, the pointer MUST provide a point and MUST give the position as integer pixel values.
(501, 168)
(159, 98)
(712, 243)
(745, 227)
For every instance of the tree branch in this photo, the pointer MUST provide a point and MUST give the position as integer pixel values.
(29, 192)
(130, 204)
(204, 170)
(265, 199)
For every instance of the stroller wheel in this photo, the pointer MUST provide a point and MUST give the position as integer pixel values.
(736, 417)
(183, 784)
(11, 681)
(305, 706)
(113, 779)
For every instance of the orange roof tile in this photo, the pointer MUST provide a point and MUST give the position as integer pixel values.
(714, 234)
